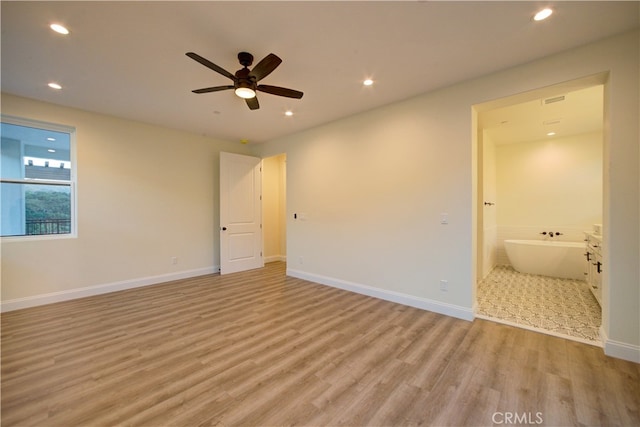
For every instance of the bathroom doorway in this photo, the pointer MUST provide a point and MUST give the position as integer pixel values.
(540, 178)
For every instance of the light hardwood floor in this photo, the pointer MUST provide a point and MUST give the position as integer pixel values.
(259, 348)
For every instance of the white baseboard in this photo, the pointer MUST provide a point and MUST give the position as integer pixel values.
(459, 312)
(36, 300)
(620, 350)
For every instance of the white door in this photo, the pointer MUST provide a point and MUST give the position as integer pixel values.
(240, 213)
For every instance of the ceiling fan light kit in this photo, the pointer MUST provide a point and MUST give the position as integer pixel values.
(245, 81)
(245, 92)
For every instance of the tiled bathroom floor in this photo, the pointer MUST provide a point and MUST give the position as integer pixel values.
(560, 307)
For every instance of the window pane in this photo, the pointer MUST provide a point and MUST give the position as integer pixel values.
(34, 209)
(37, 190)
(29, 152)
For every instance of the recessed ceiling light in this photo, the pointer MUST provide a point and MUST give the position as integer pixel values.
(59, 29)
(551, 133)
(288, 113)
(543, 14)
(51, 139)
(367, 82)
(51, 150)
(54, 85)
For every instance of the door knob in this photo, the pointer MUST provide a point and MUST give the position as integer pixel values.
(224, 228)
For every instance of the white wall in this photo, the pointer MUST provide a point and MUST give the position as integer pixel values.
(369, 192)
(373, 187)
(489, 212)
(550, 185)
(145, 194)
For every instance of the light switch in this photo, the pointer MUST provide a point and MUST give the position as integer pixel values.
(444, 218)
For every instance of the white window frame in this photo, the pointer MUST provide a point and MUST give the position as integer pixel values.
(72, 183)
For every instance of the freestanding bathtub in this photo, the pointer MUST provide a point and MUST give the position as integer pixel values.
(547, 258)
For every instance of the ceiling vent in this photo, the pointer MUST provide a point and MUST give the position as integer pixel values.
(551, 122)
(552, 100)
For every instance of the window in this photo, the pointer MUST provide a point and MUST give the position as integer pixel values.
(37, 174)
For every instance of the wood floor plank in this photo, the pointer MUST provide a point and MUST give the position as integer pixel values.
(260, 348)
(393, 407)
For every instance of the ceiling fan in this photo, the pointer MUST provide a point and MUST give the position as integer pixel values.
(245, 81)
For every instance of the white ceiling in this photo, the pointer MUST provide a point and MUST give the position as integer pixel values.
(564, 113)
(127, 59)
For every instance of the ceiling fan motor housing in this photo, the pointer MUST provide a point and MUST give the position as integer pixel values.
(245, 79)
(245, 58)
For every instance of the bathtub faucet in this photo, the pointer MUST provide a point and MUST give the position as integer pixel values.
(551, 233)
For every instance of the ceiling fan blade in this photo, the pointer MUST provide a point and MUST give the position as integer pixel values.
(265, 67)
(210, 65)
(280, 91)
(253, 103)
(212, 89)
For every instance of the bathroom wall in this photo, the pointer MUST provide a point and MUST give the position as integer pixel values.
(550, 185)
(489, 212)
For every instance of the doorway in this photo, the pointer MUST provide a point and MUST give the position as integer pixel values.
(540, 163)
(274, 208)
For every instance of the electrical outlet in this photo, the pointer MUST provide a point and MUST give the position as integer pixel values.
(174, 260)
(444, 285)
(300, 260)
